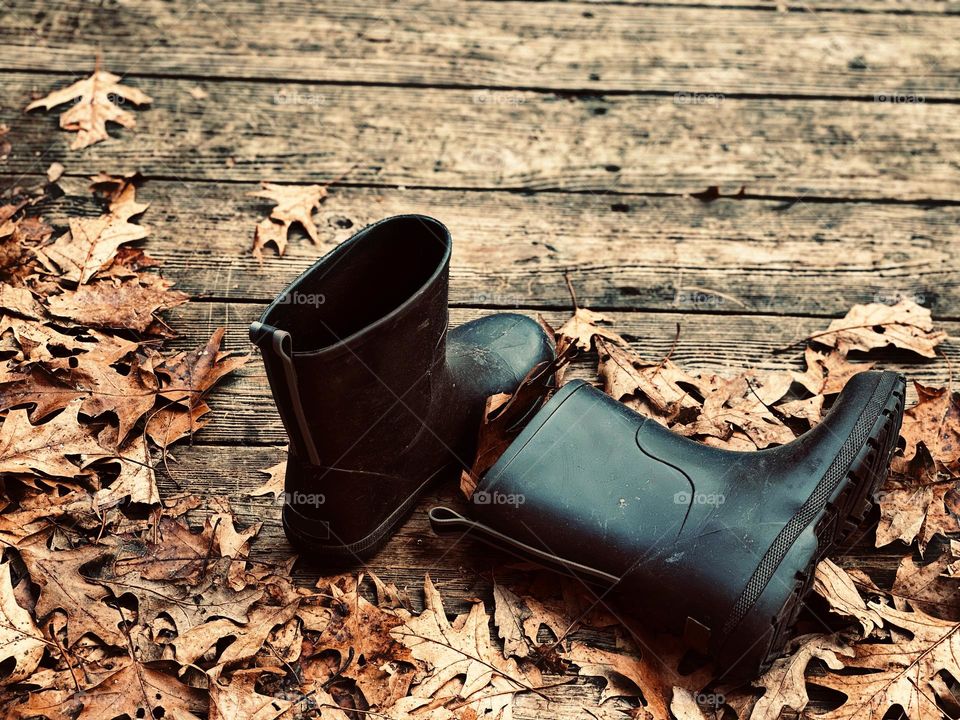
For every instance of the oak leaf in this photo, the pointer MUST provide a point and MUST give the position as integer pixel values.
(839, 590)
(238, 698)
(906, 325)
(902, 671)
(92, 243)
(94, 108)
(129, 305)
(294, 204)
(139, 691)
(64, 588)
(585, 325)
(935, 421)
(46, 448)
(20, 639)
(460, 649)
(913, 501)
(784, 682)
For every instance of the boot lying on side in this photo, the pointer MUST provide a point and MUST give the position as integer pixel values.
(377, 397)
(715, 545)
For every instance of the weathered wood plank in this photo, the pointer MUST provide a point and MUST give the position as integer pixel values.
(808, 6)
(243, 410)
(624, 252)
(506, 44)
(445, 138)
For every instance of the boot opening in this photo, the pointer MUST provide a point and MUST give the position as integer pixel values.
(361, 281)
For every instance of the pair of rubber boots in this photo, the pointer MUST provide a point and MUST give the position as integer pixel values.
(380, 400)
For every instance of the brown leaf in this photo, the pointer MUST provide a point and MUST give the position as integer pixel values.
(906, 325)
(461, 649)
(826, 374)
(167, 425)
(294, 204)
(935, 421)
(273, 486)
(188, 375)
(19, 300)
(130, 305)
(785, 684)
(931, 587)
(839, 590)
(139, 691)
(585, 325)
(92, 243)
(63, 588)
(20, 639)
(626, 676)
(360, 632)
(238, 698)
(26, 448)
(902, 670)
(94, 108)
(912, 502)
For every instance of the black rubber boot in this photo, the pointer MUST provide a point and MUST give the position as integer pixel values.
(377, 397)
(715, 545)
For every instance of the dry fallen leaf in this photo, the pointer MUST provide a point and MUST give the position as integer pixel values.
(294, 204)
(902, 672)
(461, 649)
(784, 682)
(935, 421)
(21, 642)
(46, 448)
(906, 325)
(128, 305)
(584, 325)
(94, 108)
(839, 590)
(92, 243)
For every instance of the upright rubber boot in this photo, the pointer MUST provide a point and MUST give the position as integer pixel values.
(715, 545)
(378, 399)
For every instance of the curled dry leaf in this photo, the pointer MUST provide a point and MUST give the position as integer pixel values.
(21, 642)
(294, 204)
(839, 590)
(92, 243)
(46, 448)
(906, 325)
(461, 649)
(94, 106)
(126, 305)
(273, 486)
(902, 672)
(935, 421)
(784, 682)
(913, 501)
(585, 325)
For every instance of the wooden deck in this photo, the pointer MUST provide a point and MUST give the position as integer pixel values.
(552, 138)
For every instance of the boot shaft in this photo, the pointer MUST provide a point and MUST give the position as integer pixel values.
(353, 346)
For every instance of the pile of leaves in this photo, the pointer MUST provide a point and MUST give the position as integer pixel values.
(115, 602)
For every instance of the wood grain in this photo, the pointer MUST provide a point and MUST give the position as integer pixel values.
(791, 149)
(243, 410)
(631, 252)
(561, 46)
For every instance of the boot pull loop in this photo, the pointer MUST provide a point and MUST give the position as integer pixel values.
(282, 345)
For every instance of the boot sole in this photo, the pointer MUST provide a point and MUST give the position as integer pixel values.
(842, 515)
(373, 542)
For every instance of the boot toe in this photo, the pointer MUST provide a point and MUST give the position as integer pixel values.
(509, 345)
